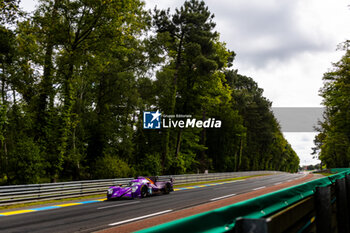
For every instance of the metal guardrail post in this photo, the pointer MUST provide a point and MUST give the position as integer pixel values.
(251, 225)
(323, 209)
(342, 206)
(347, 182)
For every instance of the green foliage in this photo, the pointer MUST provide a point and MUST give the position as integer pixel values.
(333, 141)
(9, 10)
(109, 167)
(150, 165)
(3, 121)
(25, 162)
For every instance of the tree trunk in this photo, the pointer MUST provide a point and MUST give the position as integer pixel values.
(205, 163)
(3, 155)
(176, 75)
(66, 116)
(178, 143)
(240, 154)
(46, 89)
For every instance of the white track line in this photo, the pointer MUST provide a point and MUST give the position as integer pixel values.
(230, 195)
(141, 217)
(259, 188)
(110, 206)
(278, 183)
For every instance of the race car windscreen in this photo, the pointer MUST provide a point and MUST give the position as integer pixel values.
(133, 183)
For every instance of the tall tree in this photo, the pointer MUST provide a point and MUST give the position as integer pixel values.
(334, 138)
(195, 58)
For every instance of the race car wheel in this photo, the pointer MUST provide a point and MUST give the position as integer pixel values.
(144, 191)
(167, 188)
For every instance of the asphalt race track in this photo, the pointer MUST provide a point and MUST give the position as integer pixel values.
(101, 215)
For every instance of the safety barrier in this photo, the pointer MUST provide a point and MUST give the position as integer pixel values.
(15, 194)
(321, 206)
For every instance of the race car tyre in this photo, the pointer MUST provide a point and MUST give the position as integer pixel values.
(167, 188)
(144, 191)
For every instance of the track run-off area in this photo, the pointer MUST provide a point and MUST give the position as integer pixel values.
(95, 215)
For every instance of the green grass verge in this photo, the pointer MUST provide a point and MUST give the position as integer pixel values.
(216, 181)
(326, 174)
(6, 207)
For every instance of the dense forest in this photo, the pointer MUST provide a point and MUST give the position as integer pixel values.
(333, 141)
(76, 77)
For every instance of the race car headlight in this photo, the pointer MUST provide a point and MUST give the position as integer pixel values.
(133, 189)
(110, 191)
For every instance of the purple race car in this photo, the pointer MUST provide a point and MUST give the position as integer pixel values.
(140, 187)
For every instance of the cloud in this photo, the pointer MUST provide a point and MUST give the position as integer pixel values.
(265, 31)
(305, 138)
(29, 5)
(261, 32)
(302, 144)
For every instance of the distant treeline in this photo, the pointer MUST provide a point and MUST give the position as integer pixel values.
(76, 76)
(333, 141)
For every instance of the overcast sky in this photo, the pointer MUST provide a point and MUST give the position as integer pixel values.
(284, 45)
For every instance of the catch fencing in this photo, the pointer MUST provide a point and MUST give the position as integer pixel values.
(16, 194)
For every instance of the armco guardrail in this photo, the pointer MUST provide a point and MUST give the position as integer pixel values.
(15, 194)
(321, 206)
